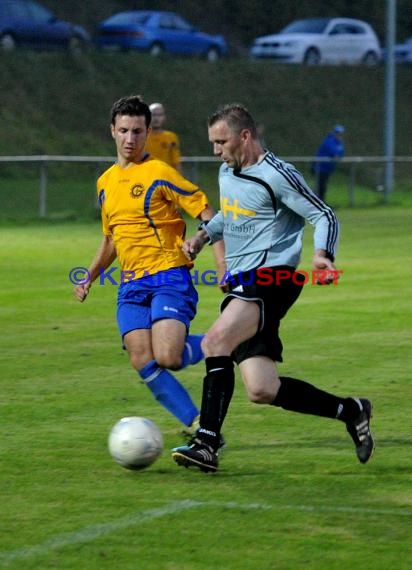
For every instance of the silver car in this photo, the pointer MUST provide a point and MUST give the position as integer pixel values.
(317, 41)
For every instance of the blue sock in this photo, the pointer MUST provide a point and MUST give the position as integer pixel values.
(192, 353)
(169, 392)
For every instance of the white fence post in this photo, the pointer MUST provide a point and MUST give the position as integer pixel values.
(351, 185)
(43, 190)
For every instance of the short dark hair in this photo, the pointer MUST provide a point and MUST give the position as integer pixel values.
(134, 106)
(236, 116)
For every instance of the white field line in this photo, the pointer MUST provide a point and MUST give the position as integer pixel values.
(95, 532)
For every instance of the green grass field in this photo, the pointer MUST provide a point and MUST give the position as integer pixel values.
(290, 493)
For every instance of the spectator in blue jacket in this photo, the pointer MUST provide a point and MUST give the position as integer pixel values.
(331, 147)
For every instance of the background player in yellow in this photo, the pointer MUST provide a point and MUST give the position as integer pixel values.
(161, 143)
(140, 199)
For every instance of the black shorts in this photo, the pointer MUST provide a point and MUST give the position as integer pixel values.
(274, 289)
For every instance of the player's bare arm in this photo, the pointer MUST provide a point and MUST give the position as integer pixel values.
(104, 257)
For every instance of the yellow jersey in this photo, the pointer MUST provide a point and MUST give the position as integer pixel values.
(140, 212)
(164, 146)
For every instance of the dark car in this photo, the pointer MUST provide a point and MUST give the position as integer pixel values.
(402, 53)
(157, 32)
(28, 24)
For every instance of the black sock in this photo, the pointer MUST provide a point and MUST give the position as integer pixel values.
(299, 396)
(218, 386)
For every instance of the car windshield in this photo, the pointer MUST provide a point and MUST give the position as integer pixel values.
(312, 26)
(128, 18)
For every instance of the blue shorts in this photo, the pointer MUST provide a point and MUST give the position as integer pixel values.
(167, 294)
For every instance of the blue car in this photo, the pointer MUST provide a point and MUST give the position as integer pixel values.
(158, 32)
(28, 24)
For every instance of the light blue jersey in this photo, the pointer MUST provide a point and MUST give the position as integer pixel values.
(262, 215)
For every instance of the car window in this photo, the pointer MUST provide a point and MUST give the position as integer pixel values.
(181, 24)
(38, 13)
(311, 26)
(173, 22)
(355, 29)
(142, 18)
(336, 30)
(128, 17)
(339, 29)
(166, 21)
(346, 29)
(14, 10)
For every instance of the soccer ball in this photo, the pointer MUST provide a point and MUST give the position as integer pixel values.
(135, 442)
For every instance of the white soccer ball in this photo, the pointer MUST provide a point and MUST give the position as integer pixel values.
(135, 442)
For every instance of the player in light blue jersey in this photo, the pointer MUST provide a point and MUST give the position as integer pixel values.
(264, 205)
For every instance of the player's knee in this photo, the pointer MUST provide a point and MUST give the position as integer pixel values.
(212, 344)
(169, 359)
(139, 357)
(138, 361)
(261, 395)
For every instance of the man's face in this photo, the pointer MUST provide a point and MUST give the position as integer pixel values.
(130, 134)
(227, 144)
(158, 118)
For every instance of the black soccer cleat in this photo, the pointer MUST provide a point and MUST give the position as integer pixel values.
(196, 454)
(189, 432)
(359, 430)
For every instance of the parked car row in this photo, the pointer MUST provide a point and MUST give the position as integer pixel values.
(25, 23)
(311, 41)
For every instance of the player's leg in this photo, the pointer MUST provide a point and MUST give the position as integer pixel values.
(192, 351)
(322, 184)
(264, 386)
(173, 347)
(168, 341)
(260, 379)
(134, 317)
(173, 306)
(175, 300)
(161, 382)
(138, 344)
(238, 321)
(300, 396)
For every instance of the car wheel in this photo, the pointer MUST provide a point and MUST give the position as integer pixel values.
(75, 45)
(156, 49)
(311, 57)
(212, 54)
(370, 58)
(7, 42)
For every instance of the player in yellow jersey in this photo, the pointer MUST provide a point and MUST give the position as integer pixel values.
(163, 144)
(140, 199)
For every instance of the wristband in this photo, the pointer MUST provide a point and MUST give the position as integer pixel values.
(202, 225)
